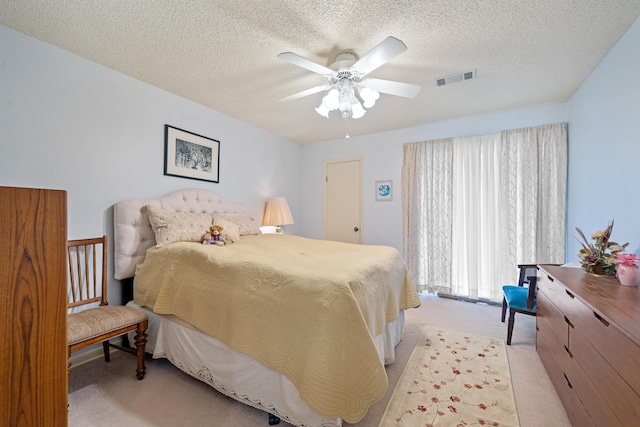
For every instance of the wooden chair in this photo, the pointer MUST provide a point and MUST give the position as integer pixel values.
(520, 299)
(87, 259)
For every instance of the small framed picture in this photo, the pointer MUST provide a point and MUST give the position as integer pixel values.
(384, 191)
(189, 155)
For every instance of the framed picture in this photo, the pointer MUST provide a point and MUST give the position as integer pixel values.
(384, 191)
(189, 155)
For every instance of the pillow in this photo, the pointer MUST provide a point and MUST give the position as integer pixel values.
(230, 231)
(170, 227)
(247, 224)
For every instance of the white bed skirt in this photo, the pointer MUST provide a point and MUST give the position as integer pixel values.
(240, 376)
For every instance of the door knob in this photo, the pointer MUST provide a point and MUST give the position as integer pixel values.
(356, 229)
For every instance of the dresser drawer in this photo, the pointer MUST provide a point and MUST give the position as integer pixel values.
(619, 401)
(559, 294)
(614, 347)
(549, 312)
(551, 340)
(590, 390)
(551, 355)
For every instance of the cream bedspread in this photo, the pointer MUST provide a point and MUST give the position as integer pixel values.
(306, 308)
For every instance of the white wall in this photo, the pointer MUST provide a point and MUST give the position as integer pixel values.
(382, 159)
(604, 148)
(68, 123)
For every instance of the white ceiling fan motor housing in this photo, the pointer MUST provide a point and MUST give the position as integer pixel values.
(344, 60)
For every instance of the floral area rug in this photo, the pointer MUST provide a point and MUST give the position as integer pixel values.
(453, 379)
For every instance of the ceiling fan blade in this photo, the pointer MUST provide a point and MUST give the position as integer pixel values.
(305, 63)
(381, 54)
(306, 93)
(405, 90)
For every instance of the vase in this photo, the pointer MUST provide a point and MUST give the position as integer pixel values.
(629, 275)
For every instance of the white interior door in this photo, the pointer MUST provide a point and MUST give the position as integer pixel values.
(343, 201)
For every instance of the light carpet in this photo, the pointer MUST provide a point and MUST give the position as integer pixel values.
(453, 379)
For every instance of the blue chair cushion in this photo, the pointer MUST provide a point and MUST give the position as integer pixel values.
(516, 297)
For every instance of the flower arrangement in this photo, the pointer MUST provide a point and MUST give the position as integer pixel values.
(599, 256)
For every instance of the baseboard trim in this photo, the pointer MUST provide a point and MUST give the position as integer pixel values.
(467, 299)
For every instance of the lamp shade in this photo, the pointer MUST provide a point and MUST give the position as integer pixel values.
(276, 212)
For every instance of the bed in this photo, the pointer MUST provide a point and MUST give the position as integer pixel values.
(299, 328)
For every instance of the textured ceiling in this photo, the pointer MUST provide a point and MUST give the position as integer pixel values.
(223, 53)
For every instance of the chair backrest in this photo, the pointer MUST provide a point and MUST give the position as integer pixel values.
(87, 259)
(529, 275)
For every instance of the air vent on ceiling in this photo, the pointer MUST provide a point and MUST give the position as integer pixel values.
(454, 78)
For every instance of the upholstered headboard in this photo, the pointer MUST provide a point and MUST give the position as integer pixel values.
(132, 233)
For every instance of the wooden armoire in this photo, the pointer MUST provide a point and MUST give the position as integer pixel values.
(33, 307)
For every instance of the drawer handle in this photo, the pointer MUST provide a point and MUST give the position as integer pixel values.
(568, 322)
(569, 293)
(567, 379)
(604, 322)
(568, 352)
(550, 278)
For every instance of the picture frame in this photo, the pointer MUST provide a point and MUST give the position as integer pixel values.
(189, 155)
(384, 191)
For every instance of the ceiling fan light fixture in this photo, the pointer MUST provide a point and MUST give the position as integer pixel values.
(352, 96)
(323, 110)
(357, 110)
(345, 105)
(369, 96)
(331, 100)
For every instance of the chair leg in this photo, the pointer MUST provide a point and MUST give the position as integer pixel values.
(504, 308)
(105, 350)
(141, 342)
(512, 316)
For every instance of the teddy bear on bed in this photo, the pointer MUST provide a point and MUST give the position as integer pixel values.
(213, 236)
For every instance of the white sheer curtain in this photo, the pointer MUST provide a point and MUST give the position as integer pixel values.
(427, 177)
(475, 207)
(476, 223)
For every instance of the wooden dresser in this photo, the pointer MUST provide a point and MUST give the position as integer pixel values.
(33, 307)
(588, 338)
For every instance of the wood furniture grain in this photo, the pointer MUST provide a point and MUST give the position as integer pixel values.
(588, 338)
(33, 301)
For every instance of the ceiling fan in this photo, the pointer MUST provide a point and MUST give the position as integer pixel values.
(348, 89)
